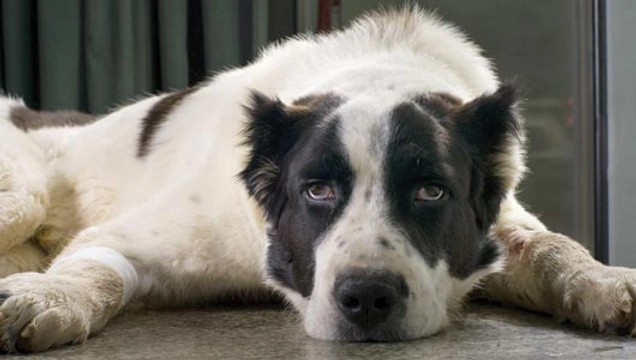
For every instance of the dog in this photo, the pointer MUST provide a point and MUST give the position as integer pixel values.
(367, 176)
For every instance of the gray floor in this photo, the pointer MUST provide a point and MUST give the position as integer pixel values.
(488, 332)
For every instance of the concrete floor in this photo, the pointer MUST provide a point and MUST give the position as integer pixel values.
(257, 332)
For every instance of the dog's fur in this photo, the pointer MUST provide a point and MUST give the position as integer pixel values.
(376, 163)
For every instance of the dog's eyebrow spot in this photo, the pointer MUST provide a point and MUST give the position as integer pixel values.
(195, 198)
(383, 242)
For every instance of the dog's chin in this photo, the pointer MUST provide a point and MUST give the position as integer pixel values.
(334, 327)
(389, 332)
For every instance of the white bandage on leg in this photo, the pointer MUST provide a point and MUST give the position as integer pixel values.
(109, 257)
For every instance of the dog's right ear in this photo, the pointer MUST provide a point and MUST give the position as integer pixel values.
(271, 131)
(491, 128)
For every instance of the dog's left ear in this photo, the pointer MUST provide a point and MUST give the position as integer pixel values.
(271, 131)
(491, 128)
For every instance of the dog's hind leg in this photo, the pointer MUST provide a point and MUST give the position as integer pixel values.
(23, 193)
(551, 273)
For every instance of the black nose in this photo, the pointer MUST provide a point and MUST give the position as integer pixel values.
(369, 299)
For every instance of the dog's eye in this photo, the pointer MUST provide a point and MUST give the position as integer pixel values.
(321, 192)
(429, 193)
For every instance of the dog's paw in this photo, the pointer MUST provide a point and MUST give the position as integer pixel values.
(40, 311)
(602, 298)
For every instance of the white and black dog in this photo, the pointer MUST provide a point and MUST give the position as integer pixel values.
(367, 175)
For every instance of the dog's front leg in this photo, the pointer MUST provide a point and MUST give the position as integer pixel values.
(75, 298)
(552, 273)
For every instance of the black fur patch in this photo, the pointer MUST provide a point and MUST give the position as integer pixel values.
(439, 141)
(271, 132)
(413, 160)
(27, 119)
(288, 151)
(489, 253)
(156, 116)
(487, 126)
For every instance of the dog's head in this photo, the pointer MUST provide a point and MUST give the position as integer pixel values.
(379, 206)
